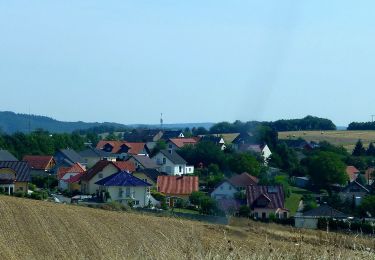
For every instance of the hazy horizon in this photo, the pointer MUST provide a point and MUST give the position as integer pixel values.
(211, 61)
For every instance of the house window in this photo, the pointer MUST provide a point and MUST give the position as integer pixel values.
(145, 180)
(120, 193)
(136, 202)
(221, 188)
(148, 190)
(170, 146)
(264, 215)
(164, 160)
(256, 215)
(127, 192)
(180, 168)
(285, 215)
(100, 175)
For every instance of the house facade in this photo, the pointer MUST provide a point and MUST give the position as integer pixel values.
(40, 165)
(177, 187)
(14, 176)
(101, 170)
(354, 193)
(266, 200)
(172, 163)
(310, 219)
(68, 177)
(125, 188)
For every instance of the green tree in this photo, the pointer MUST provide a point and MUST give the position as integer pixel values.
(367, 207)
(371, 150)
(243, 162)
(359, 150)
(195, 198)
(160, 145)
(325, 169)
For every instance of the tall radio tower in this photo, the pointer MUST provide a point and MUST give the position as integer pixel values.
(161, 121)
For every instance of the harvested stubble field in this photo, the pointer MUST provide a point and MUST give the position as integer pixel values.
(347, 139)
(42, 230)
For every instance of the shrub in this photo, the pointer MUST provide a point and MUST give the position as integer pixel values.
(244, 211)
(157, 195)
(19, 194)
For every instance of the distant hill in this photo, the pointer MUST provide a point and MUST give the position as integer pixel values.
(11, 122)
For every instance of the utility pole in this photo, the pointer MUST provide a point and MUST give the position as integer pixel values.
(161, 121)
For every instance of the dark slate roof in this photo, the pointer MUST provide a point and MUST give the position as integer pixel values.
(72, 155)
(211, 138)
(243, 180)
(325, 211)
(168, 134)
(94, 152)
(122, 178)
(7, 156)
(21, 168)
(173, 156)
(141, 135)
(244, 138)
(145, 161)
(355, 185)
(152, 174)
(274, 194)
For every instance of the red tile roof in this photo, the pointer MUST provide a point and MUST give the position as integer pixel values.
(38, 162)
(125, 166)
(181, 142)
(99, 166)
(134, 148)
(178, 185)
(244, 180)
(352, 173)
(76, 168)
(75, 178)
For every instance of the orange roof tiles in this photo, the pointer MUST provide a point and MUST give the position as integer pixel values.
(76, 168)
(178, 185)
(181, 142)
(352, 173)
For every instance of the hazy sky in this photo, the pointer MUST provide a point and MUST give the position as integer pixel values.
(195, 61)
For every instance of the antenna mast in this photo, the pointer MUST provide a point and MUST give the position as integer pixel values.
(161, 121)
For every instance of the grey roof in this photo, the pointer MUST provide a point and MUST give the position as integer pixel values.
(152, 174)
(168, 134)
(145, 161)
(21, 168)
(72, 155)
(325, 211)
(93, 152)
(173, 157)
(7, 156)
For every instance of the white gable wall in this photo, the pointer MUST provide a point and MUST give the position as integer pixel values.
(224, 191)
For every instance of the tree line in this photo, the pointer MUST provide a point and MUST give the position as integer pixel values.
(40, 143)
(361, 126)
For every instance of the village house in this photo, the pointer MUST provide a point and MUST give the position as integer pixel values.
(241, 139)
(169, 134)
(149, 175)
(177, 187)
(69, 177)
(172, 163)
(174, 144)
(125, 188)
(122, 149)
(14, 176)
(101, 170)
(93, 155)
(7, 156)
(40, 165)
(266, 200)
(143, 162)
(310, 219)
(262, 150)
(143, 135)
(352, 173)
(353, 193)
(67, 158)
(216, 139)
(228, 188)
(370, 176)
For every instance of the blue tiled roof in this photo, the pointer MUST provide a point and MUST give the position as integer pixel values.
(122, 178)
